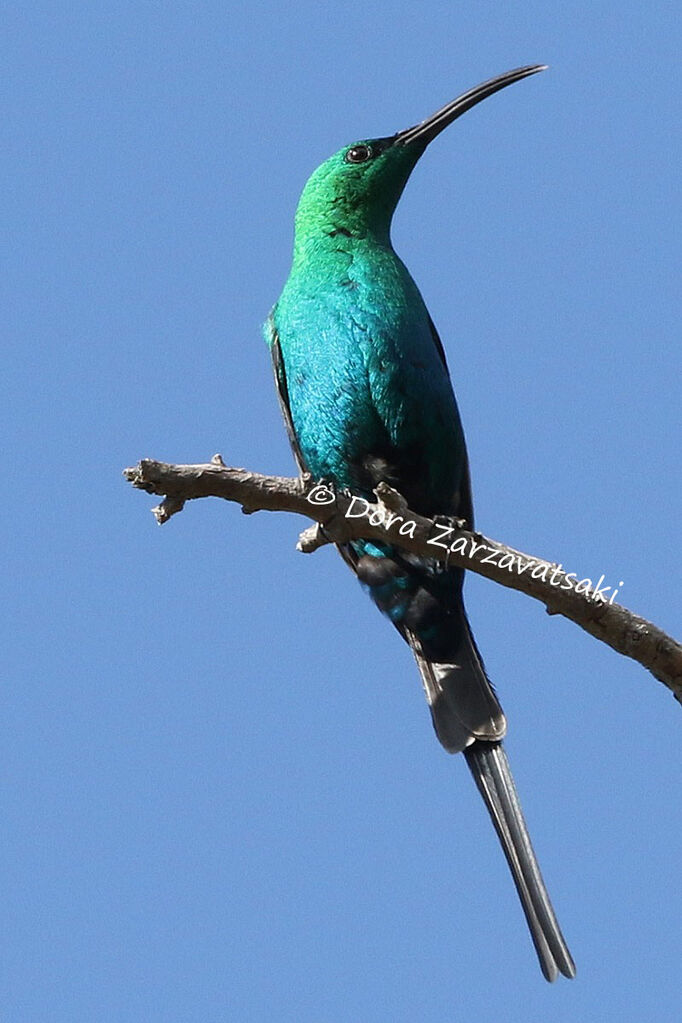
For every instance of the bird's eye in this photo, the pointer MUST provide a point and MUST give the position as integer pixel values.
(358, 154)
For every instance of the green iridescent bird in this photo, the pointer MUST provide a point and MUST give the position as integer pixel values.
(366, 396)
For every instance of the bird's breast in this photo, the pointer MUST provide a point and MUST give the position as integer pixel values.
(368, 390)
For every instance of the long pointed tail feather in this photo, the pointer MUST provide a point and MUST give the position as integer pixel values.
(489, 765)
(466, 715)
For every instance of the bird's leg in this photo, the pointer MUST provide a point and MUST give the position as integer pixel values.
(447, 526)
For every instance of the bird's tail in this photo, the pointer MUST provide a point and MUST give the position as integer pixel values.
(467, 717)
(489, 765)
(459, 693)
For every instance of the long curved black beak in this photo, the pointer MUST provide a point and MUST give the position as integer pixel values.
(434, 125)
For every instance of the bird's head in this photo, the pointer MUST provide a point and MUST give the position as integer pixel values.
(355, 191)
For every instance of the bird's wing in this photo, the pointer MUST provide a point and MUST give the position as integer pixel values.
(283, 393)
(438, 343)
(463, 502)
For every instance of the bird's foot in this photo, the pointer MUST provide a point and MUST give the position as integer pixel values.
(451, 521)
(390, 498)
(446, 527)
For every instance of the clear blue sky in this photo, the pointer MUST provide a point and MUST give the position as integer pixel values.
(221, 796)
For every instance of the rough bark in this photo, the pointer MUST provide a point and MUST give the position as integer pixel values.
(340, 516)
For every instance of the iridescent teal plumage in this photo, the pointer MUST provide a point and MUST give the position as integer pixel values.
(366, 395)
(379, 382)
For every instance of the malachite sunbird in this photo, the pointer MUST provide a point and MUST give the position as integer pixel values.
(366, 396)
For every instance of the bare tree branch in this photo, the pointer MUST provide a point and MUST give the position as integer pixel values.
(339, 517)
